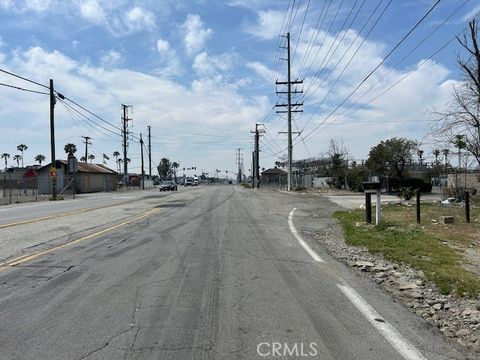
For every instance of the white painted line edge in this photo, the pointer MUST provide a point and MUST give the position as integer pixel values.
(307, 248)
(399, 343)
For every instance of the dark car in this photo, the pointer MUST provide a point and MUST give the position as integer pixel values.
(168, 185)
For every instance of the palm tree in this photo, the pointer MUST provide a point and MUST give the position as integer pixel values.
(70, 148)
(82, 159)
(17, 158)
(116, 154)
(91, 157)
(40, 158)
(445, 153)
(175, 166)
(5, 156)
(420, 156)
(22, 148)
(436, 153)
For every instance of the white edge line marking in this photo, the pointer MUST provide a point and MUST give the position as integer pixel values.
(307, 248)
(402, 345)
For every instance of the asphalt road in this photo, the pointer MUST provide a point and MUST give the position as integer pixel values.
(215, 272)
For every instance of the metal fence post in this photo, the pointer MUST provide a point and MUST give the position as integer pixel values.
(368, 208)
(467, 206)
(418, 205)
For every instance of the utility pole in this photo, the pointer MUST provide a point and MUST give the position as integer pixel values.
(239, 160)
(289, 106)
(149, 152)
(87, 142)
(53, 165)
(141, 156)
(253, 169)
(125, 121)
(256, 155)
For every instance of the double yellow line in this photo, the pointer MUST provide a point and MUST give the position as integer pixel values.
(25, 258)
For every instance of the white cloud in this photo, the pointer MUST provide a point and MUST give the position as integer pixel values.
(195, 34)
(138, 18)
(38, 5)
(159, 100)
(6, 4)
(267, 26)
(206, 65)
(162, 45)
(92, 11)
(262, 70)
(110, 58)
(471, 14)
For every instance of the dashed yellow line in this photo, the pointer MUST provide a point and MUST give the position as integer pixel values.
(54, 216)
(25, 258)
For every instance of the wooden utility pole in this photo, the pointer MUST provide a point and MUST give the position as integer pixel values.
(149, 152)
(141, 156)
(53, 165)
(289, 106)
(87, 142)
(256, 156)
(125, 121)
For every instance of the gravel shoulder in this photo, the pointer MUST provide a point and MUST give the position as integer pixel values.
(452, 317)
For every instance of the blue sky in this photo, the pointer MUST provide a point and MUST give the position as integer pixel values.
(202, 72)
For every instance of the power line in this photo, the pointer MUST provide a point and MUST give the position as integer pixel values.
(376, 67)
(23, 89)
(348, 49)
(326, 59)
(408, 54)
(24, 78)
(313, 38)
(91, 113)
(301, 30)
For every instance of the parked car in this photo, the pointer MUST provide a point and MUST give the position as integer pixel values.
(195, 182)
(188, 182)
(168, 185)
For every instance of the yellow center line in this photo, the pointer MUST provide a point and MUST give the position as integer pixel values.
(22, 259)
(57, 215)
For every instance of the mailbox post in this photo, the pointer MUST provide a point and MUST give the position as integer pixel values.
(372, 187)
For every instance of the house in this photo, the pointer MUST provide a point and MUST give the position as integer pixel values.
(87, 179)
(273, 176)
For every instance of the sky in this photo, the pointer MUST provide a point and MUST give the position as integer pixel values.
(201, 73)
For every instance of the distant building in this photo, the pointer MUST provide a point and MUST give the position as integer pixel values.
(89, 178)
(273, 176)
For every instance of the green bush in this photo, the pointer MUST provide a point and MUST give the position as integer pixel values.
(422, 185)
(406, 193)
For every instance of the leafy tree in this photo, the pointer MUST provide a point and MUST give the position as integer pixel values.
(17, 158)
(40, 158)
(462, 115)
(70, 148)
(337, 168)
(390, 156)
(5, 156)
(460, 144)
(22, 148)
(164, 168)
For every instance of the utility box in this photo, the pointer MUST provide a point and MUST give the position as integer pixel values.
(371, 186)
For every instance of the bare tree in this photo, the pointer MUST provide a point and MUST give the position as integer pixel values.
(462, 115)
